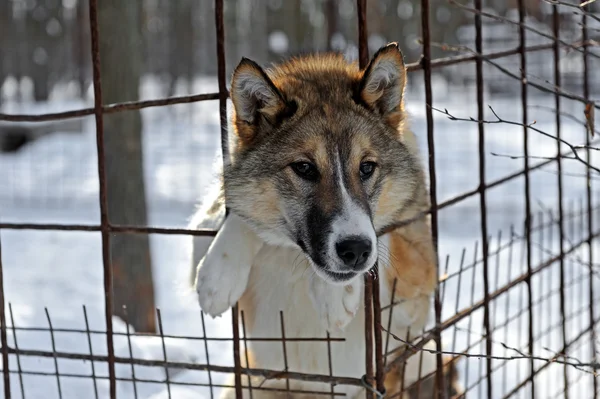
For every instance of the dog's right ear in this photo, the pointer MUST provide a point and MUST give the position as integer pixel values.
(255, 98)
(383, 83)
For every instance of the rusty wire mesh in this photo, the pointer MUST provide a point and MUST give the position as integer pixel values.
(508, 343)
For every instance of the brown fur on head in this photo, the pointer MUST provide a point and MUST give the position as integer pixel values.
(320, 160)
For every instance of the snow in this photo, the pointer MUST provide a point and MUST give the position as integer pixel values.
(54, 180)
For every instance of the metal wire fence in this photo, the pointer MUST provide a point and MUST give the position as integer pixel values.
(508, 343)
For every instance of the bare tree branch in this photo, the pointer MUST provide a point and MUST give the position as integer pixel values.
(515, 23)
(559, 91)
(554, 359)
(578, 7)
(529, 126)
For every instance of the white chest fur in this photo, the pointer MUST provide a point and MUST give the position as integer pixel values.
(279, 282)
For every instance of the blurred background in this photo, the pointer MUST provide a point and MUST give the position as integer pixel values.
(158, 48)
(45, 43)
(161, 160)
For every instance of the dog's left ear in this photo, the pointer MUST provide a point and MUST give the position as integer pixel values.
(382, 85)
(255, 99)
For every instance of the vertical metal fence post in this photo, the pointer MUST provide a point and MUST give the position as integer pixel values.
(379, 373)
(590, 219)
(220, 27)
(363, 61)
(104, 221)
(526, 168)
(561, 228)
(426, 64)
(482, 199)
(4, 332)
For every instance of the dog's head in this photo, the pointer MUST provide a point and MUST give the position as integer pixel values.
(319, 160)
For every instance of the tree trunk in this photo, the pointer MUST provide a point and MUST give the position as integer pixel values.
(6, 23)
(37, 61)
(206, 40)
(121, 63)
(331, 16)
(181, 39)
(81, 46)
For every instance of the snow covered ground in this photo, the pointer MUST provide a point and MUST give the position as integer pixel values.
(54, 180)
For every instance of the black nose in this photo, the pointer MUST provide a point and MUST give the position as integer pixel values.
(354, 251)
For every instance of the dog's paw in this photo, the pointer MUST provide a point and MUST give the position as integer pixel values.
(336, 305)
(219, 286)
(223, 272)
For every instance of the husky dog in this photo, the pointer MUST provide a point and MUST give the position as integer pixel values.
(322, 168)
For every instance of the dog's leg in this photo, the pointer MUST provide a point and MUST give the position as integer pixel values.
(419, 375)
(411, 264)
(222, 274)
(209, 216)
(336, 304)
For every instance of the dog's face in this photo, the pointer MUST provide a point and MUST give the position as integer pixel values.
(319, 161)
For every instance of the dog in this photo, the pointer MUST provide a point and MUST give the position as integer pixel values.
(323, 168)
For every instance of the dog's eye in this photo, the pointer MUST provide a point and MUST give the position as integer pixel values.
(305, 170)
(366, 170)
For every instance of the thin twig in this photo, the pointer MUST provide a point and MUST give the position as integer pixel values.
(515, 23)
(578, 7)
(559, 91)
(592, 365)
(500, 120)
